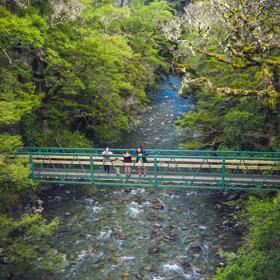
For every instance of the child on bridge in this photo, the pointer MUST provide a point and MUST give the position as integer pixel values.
(117, 166)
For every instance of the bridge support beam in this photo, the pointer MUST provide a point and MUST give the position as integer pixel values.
(91, 170)
(155, 172)
(223, 173)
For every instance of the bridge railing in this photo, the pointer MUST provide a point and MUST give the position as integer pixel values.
(164, 168)
(182, 152)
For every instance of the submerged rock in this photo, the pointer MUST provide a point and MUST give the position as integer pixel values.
(126, 275)
(196, 269)
(157, 205)
(154, 217)
(115, 231)
(216, 248)
(154, 250)
(170, 236)
(186, 267)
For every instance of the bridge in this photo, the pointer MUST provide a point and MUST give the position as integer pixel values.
(193, 169)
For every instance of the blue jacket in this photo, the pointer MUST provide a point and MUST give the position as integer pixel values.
(144, 155)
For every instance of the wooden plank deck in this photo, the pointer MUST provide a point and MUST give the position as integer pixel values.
(166, 178)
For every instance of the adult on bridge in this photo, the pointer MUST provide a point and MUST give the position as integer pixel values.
(141, 160)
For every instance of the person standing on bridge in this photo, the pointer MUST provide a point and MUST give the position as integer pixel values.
(107, 160)
(127, 159)
(117, 166)
(141, 159)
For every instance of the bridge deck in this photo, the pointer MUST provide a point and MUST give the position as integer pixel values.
(169, 178)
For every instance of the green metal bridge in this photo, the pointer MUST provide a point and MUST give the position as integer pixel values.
(195, 169)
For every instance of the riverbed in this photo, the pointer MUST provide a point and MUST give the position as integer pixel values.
(125, 233)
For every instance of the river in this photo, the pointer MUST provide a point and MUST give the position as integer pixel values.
(113, 233)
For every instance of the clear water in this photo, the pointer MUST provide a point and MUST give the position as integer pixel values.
(158, 129)
(113, 233)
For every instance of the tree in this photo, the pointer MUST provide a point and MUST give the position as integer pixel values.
(230, 50)
(22, 248)
(93, 72)
(72, 73)
(260, 258)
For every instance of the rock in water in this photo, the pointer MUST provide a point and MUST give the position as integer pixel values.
(154, 250)
(115, 231)
(126, 275)
(157, 205)
(186, 267)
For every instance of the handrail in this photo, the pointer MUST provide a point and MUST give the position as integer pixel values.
(154, 150)
(153, 155)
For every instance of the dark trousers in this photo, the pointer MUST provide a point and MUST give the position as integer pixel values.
(107, 168)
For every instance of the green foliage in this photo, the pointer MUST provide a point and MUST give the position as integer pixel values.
(230, 123)
(235, 85)
(15, 30)
(24, 249)
(90, 72)
(260, 258)
(17, 98)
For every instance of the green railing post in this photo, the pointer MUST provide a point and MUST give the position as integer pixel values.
(155, 172)
(223, 173)
(32, 167)
(91, 170)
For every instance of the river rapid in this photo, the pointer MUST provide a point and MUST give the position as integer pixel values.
(124, 233)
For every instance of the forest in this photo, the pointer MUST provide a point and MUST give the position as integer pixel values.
(229, 54)
(76, 73)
